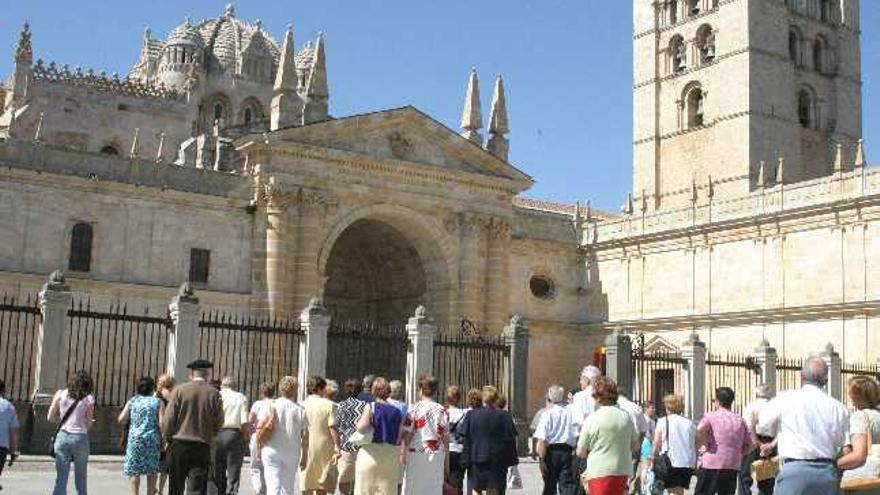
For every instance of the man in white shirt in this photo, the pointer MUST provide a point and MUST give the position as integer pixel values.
(229, 444)
(582, 405)
(637, 417)
(810, 429)
(763, 444)
(555, 445)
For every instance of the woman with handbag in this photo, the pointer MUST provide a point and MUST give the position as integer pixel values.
(73, 408)
(377, 471)
(283, 440)
(144, 440)
(323, 439)
(861, 459)
(674, 455)
(259, 410)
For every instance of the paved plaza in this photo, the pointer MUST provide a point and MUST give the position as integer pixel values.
(34, 475)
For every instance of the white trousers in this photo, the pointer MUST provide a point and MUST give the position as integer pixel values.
(280, 471)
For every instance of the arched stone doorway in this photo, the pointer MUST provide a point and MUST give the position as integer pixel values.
(374, 274)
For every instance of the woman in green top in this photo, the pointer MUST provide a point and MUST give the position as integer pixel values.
(608, 439)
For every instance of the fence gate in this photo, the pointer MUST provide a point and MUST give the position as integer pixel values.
(356, 349)
(472, 361)
(655, 375)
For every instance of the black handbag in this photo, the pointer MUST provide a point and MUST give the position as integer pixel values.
(662, 463)
(67, 414)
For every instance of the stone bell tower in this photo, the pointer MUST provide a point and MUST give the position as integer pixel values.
(721, 86)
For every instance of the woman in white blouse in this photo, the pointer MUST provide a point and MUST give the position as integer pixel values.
(286, 451)
(679, 444)
(864, 429)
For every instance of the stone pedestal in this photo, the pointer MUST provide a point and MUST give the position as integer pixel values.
(765, 357)
(49, 375)
(315, 322)
(618, 361)
(832, 359)
(183, 340)
(420, 358)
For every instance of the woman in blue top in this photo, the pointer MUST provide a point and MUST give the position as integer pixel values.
(377, 471)
(142, 413)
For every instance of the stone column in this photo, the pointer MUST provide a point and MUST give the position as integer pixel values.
(310, 207)
(832, 359)
(183, 341)
(315, 322)
(516, 335)
(765, 357)
(49, 373)
(50, 368)
(618, 360)
(420, 357)
(277, 234)
(694, 352)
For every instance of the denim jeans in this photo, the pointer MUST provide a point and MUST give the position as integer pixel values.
(71, 447)
(807, 478)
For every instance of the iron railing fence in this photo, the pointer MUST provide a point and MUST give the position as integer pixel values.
(19, 332)
(739, 372)
(357, 348)
(116, 348)
(251, 350)
(788, 373)
(472, 361)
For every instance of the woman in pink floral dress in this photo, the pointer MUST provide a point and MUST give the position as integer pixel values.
(424, 442)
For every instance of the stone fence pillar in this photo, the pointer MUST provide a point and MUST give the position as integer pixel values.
(315, 322)
(49, 375)
(694, 352)
(516, 336)
(765, 357)
(618, 361)
(832, 359)
(49, 370)
(420, 355)
(183, 341)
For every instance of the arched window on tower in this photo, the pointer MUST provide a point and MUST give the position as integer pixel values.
(694, 99)
(806, 107)
(677, 54)
(672, 8)
(794, 46)
(706, 43)
(825, 10)
(251, 111)
(80, 258)
(693, 7)
(820, 55)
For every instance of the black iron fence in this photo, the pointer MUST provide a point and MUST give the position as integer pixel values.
(251, 350)
(19, 331)
(116, 348)
(472, 361)
(656, 375)
(788, 373)
(740, 373)
(355, 349)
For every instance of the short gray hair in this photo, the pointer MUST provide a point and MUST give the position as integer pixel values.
(815, 371)
(396, 388)
(556, 394)
(229, 382)
(591, 372)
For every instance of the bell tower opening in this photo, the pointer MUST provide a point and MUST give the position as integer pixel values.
(374, 274)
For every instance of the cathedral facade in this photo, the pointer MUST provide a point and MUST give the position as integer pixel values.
(217, 160)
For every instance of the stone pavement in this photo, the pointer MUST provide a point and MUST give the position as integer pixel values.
(35, 475)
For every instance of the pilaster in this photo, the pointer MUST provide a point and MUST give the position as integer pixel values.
(516, 335)
(420, 358)
(765, 357)
(55, 300)
(314, 321)
(694, 352)
(183, 340)
(618, 361)
(832, 360)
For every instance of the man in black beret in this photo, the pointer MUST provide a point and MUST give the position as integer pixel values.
(192, 419)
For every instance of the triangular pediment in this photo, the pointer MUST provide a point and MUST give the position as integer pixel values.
(404, 135)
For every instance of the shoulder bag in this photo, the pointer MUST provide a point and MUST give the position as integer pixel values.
(866, 476)
(67, 414)
(266, 427)
(663, 463)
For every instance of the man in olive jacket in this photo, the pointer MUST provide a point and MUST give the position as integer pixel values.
(192, 419)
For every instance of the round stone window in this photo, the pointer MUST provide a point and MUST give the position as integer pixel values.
(542, 287)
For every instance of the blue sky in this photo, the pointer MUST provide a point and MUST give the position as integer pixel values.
(567, 66)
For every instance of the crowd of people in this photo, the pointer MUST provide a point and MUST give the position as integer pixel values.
(361, 438)
(801, 442)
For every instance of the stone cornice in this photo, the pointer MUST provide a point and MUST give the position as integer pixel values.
(774, 315)
(123, 191)
(397, 170)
